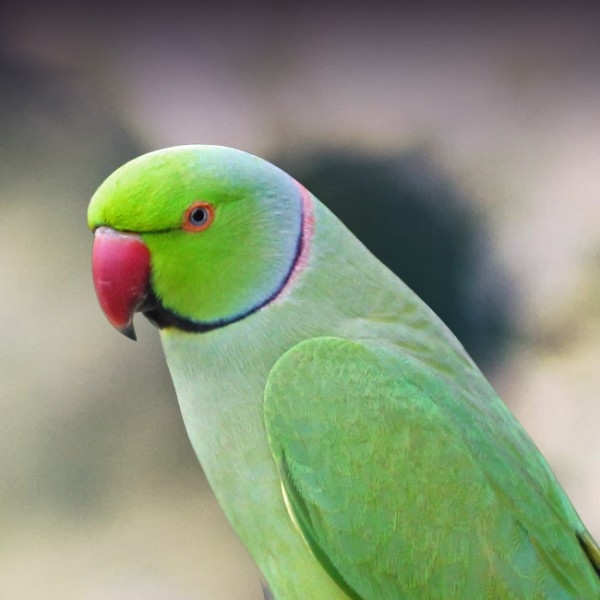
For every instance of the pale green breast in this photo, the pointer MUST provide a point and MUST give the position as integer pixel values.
(220, 380)
(221, 402)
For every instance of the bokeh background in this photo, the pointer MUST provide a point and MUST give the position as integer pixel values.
(462, 146)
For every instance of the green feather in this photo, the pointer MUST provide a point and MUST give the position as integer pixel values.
(353, 444)
(398, 487)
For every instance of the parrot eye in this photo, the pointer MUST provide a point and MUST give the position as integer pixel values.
(198, 216)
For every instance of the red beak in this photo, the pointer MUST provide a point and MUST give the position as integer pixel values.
(121, 274)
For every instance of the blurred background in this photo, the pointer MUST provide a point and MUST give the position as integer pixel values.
(462, 147)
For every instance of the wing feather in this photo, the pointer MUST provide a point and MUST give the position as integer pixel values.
(400, 488)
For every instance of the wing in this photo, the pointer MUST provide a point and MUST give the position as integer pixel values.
(400, 489)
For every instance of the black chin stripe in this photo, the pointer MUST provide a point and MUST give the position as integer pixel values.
(163, 317)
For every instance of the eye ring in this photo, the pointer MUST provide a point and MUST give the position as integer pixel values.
(198, 217)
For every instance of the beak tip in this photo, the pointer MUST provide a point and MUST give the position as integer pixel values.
(128, 331)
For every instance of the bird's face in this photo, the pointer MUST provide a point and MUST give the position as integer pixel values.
(193, 236)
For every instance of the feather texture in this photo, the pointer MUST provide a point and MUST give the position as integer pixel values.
(352, 443)
(403, 485)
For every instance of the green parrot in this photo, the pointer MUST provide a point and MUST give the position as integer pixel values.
(351, 441)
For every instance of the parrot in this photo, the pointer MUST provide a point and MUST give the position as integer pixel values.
(353, 444)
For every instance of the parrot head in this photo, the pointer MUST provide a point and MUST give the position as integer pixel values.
(194, 237)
